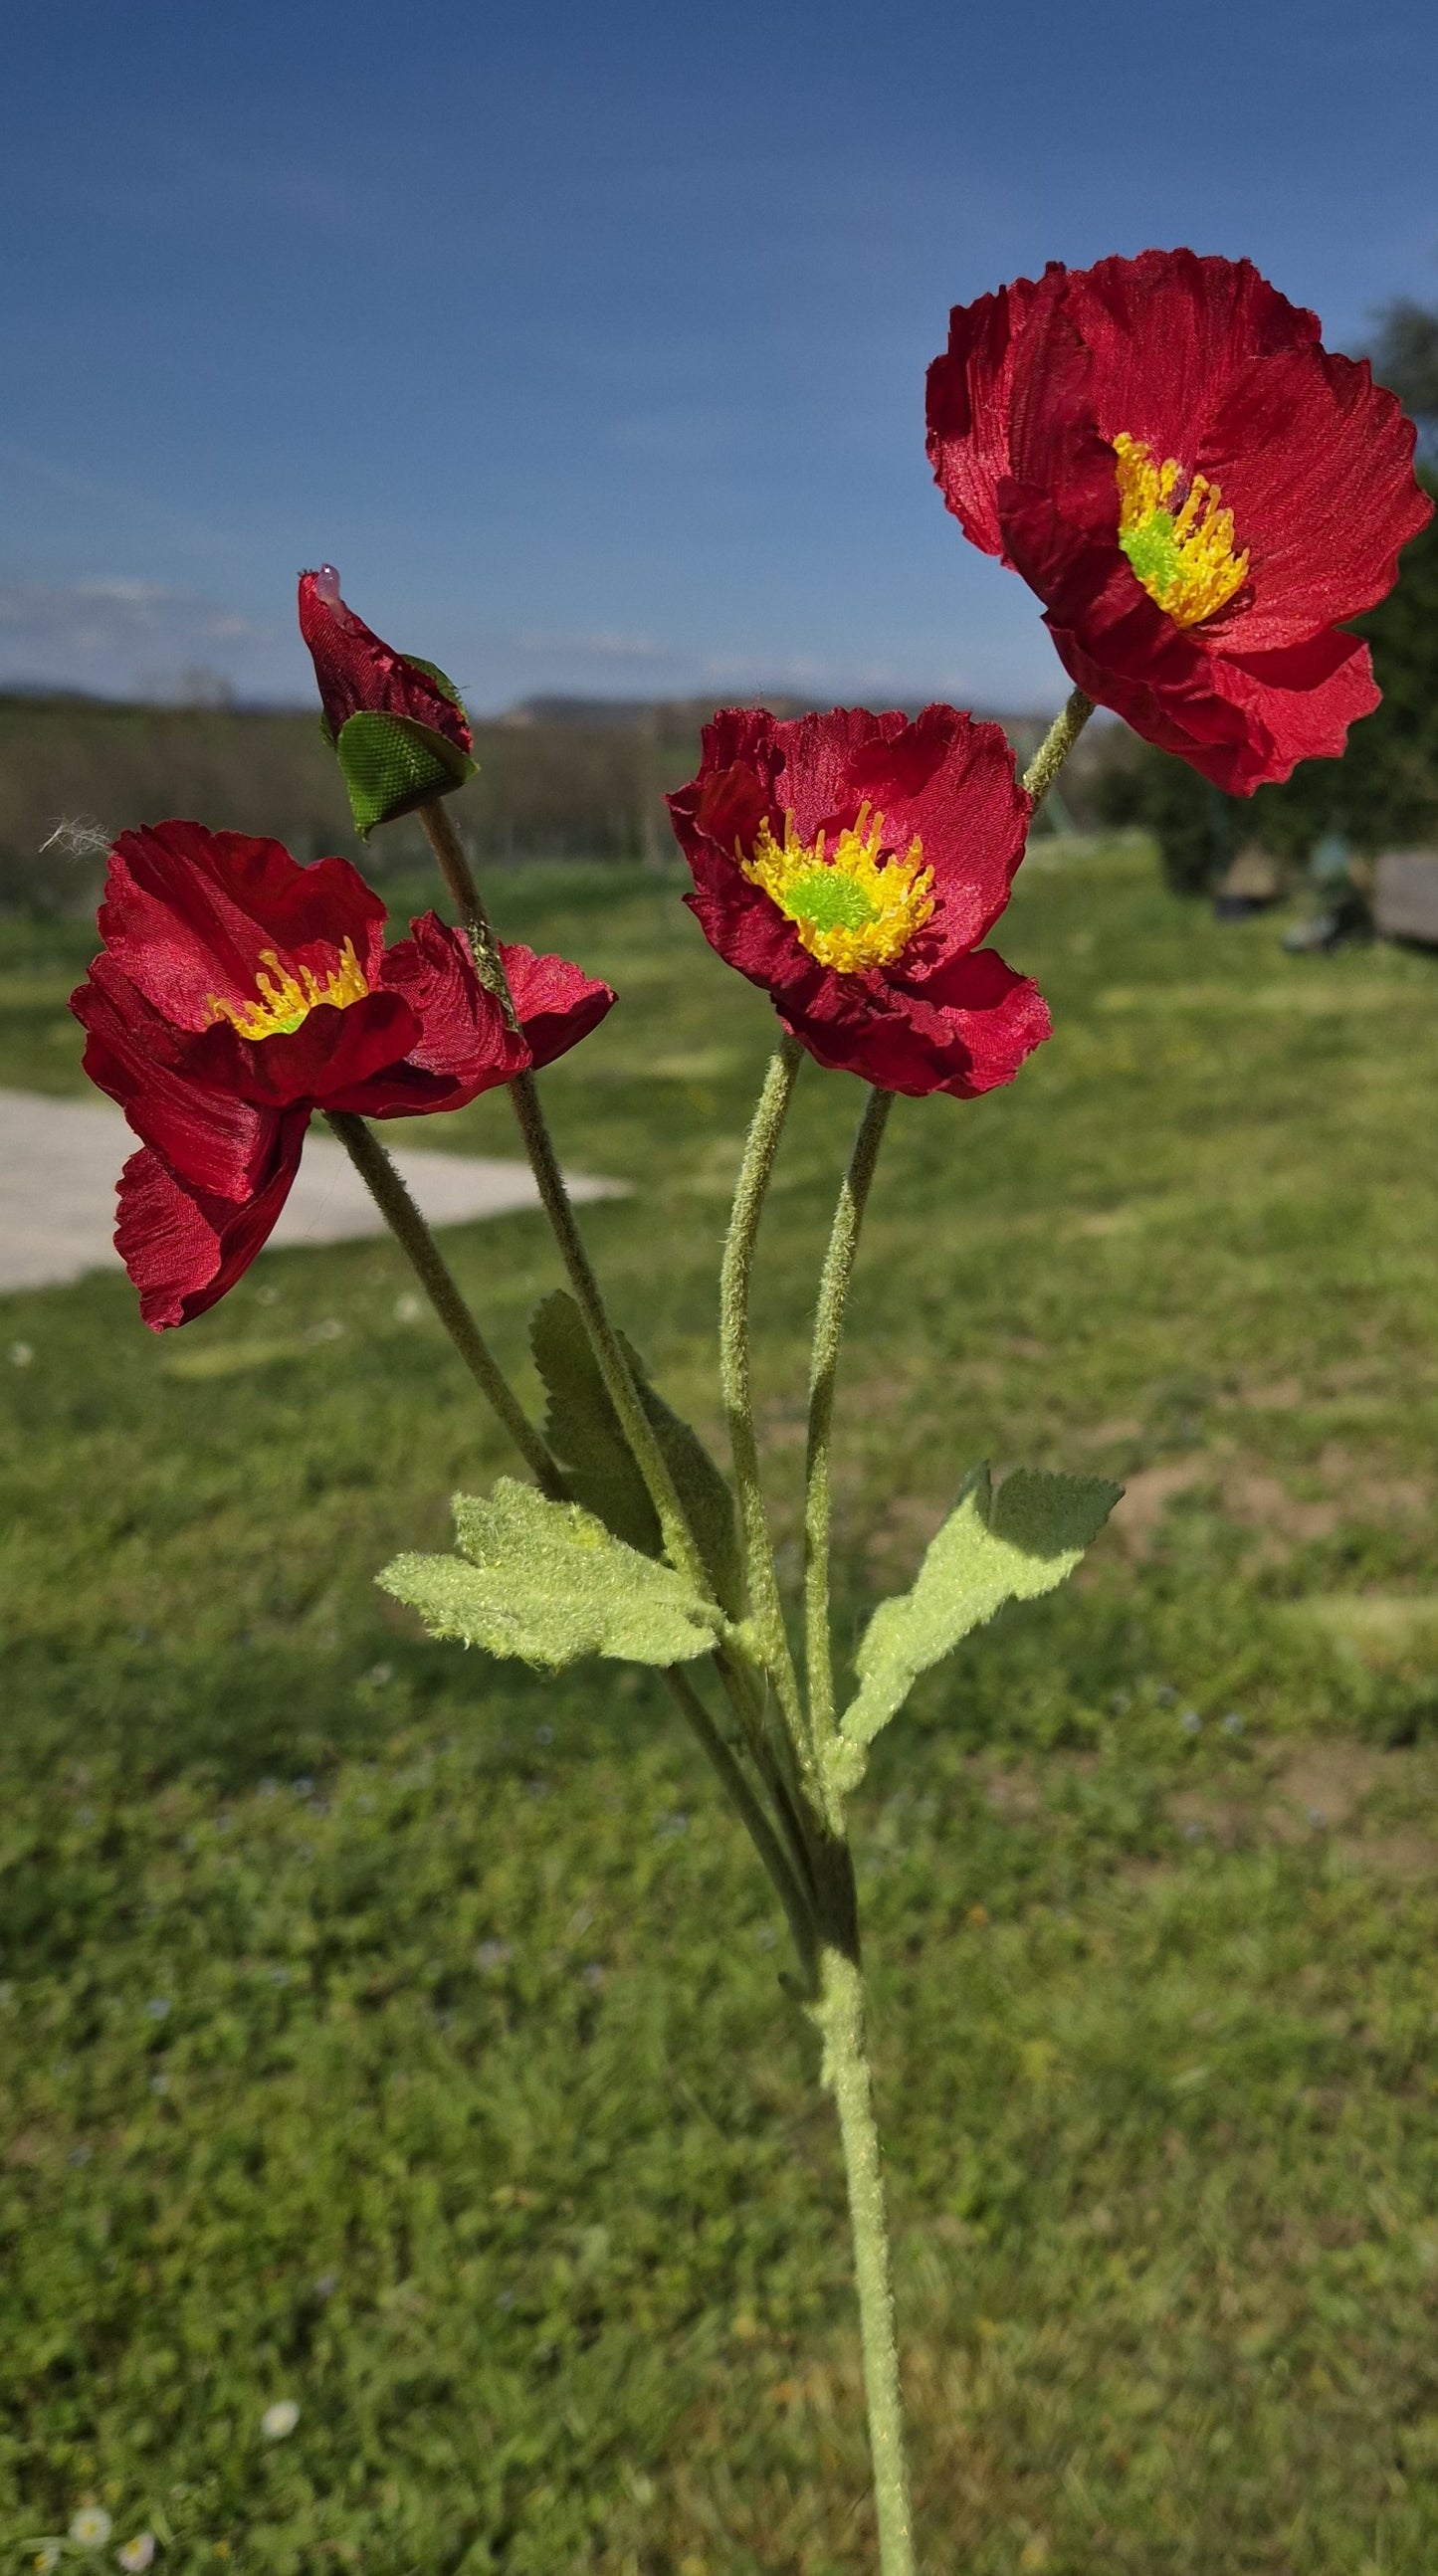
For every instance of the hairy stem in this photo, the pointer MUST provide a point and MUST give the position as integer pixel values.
(823, 1372)
(558, 1207)
(1057, 743)
(405, 1222)
(839, 2016)
(735, 1281)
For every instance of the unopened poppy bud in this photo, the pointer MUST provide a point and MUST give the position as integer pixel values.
(397, 724)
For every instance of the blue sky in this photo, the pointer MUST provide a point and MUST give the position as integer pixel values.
(589, 340)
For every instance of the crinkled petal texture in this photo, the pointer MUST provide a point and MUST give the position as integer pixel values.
(1201, 363)
(941, 1013)
(359, 674)
(238, 993)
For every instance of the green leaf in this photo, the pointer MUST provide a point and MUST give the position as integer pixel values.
(547, 1582)
(393, 763)
(582, 1429)
(994, 1547)
(441, 679)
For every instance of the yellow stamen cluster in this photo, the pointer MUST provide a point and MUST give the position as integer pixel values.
(286, 999)
(851, 907)
(1184, 557)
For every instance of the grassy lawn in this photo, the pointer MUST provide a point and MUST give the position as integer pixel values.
(401, 2035)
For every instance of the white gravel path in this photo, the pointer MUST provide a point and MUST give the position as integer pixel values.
(60, 1160)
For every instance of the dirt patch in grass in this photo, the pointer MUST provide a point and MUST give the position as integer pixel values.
(1361, 1798)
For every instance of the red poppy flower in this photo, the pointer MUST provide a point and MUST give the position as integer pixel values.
(1196, 489)
(851, 864)
(397, 724)
(236, 994)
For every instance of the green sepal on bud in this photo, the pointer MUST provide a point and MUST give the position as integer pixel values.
(392, 764)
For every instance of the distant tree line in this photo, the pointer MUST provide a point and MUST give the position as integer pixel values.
(558, 778)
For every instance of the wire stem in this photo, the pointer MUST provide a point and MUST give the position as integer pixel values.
(823, 1372)
(1057, 743)
(839, 2017)
(735, 1282)
(397, 1207)
(792, 1893)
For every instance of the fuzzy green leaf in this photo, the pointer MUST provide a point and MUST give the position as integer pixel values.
(393, 763)
(548, 1583)
(582, 1429)
(994, 1547)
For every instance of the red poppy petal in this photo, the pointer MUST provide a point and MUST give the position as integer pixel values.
(972, 1040)
(1165, 335)
(464, 1041)
(319, 1064)
(216, 1140)
(557, 1003)
(1242, 726)
(188, 912)
(968, 401)
(950, 783)
(1315, 462)
(184, 1249)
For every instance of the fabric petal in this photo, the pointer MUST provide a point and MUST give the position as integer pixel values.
(972, 1040)
(188, 913)
(182, 1248)
(1165, 335)
(319, 1064)
(968, 398)
(1315, 462)
(558, 1004)
(216, 1141)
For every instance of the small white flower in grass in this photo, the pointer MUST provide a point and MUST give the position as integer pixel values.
(21, 1354)
(91, 2527)
(139, 2552)
(280, 2419)
(47, 2556)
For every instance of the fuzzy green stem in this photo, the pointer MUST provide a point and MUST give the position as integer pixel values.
(544, 1162)
(1057, 743)
(839, 2016)
(735, 1280)
(405, 1222)
(823, 1372)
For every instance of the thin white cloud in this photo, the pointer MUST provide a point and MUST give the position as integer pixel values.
(125, 637)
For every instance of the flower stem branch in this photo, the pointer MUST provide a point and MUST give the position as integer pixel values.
(735, 1279)
(613, 1367)
(458, 875)
(397, 1207)
(823, 1372)
(1057, 743)
(839, 2017)
(792, 1894)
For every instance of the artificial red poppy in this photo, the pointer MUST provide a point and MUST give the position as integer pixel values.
(851, 864)
(397, 724)
(237, 993)
(1197, 490)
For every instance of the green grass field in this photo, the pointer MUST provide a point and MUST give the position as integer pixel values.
(401, 2035)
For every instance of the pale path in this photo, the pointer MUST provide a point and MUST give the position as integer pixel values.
(60, 1160)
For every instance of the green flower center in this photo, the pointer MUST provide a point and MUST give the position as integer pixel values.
(828, 900)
